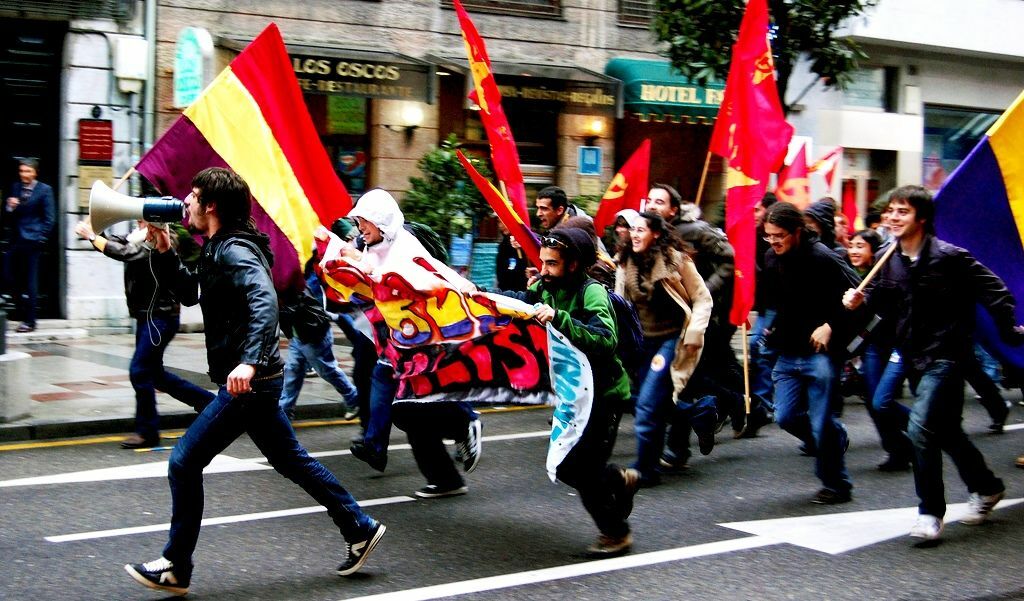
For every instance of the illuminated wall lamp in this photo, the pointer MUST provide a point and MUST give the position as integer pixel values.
(411, 117)
(593, 129)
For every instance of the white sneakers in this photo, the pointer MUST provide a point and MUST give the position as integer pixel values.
(980, 506)
(927, 527)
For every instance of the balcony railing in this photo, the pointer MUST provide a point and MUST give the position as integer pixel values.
(520, 8)
(636, 12)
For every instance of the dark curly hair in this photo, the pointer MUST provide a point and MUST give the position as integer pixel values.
(665, 242)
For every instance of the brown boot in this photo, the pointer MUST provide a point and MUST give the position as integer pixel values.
(1020, 461)
(610, 546)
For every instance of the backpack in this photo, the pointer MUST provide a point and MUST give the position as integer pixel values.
(627, 325)
(306, 318)
(430, 240)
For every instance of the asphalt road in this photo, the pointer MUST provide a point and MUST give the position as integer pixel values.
(513, 523)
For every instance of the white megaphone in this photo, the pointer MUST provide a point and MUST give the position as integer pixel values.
(107, 207)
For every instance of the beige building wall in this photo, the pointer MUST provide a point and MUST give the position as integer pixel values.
(587, 34)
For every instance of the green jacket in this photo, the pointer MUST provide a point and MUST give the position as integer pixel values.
(591, 327)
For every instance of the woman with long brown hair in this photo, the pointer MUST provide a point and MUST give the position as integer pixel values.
(674, 307)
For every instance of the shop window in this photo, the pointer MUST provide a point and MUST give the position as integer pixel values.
(636, 12)
(871, 89)
(342, 124)
(522, 8)
(949, 136)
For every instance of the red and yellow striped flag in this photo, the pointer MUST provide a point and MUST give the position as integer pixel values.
(252, 119)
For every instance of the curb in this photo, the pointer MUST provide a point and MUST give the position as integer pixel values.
(124, 425)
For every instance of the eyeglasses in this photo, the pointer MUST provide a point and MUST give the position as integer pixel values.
(776, 237)
(552, 242)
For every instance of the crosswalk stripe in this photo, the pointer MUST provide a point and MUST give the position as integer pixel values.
(228, 519)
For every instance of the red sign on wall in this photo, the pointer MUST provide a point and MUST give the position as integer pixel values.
(95, 140)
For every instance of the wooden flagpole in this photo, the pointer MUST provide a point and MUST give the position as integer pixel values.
(878, 265)
(703, 178)
(746, 370)
(124, 178)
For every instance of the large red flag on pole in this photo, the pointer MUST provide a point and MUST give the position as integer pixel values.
(752, 134)
(517, 227)
(485, 94)
(627, 188)
(794, 184)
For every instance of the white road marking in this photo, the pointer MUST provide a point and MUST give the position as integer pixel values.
(1014, 427)
(570, 571)
(158, 469)
(836, 533)
(830, 533)
(221, 464)
(228, 519)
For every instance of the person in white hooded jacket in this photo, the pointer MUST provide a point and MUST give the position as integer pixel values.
(387, 245)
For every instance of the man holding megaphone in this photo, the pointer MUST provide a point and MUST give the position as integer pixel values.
(240, 313)
(156, 310)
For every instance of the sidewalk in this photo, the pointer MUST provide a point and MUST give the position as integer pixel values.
(80, 386)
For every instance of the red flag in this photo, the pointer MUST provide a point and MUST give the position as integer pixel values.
(517, 227)
(828, 165)
(794, 185)
(485, 94)
(752, 134)
(627, 189)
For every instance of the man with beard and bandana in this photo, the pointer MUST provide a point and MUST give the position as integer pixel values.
(240, 311)
(579, 308)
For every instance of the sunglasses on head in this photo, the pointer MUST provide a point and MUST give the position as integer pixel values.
(552, 242)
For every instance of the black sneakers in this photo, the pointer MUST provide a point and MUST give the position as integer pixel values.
(359, 552)
(361, 451)
(160, 575)
(827, 496)
(433, 491)
(468, 451)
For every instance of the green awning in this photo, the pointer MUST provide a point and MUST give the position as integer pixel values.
(653, 91)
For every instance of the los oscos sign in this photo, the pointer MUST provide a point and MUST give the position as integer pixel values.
(345, 77)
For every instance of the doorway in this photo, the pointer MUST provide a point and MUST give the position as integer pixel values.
(31, 57)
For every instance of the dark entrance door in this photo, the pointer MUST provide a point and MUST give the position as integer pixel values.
(30, 85)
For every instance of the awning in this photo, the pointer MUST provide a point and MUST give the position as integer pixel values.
(354, 72)
(653, 91)
(577, 86)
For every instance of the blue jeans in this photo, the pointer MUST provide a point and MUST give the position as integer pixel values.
(762, 360)
(803, 407)
(383, 387)
(148, 375)
(655, 407)
(364, 359)
(936, 426)
(257, 414)
(319, 356)
(884, 375)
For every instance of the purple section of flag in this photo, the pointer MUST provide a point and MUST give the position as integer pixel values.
(973, 211)
(181, 153)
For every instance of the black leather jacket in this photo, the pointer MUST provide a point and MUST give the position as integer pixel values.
(238, 300)
(930, 304)
(142, 288)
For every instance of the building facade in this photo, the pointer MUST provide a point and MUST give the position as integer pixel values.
(939, 73)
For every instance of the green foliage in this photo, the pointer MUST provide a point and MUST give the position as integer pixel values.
(588, 203)
(700, 34)
(445, 198)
